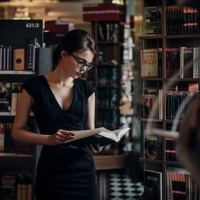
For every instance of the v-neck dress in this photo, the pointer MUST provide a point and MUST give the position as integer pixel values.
(63, 173)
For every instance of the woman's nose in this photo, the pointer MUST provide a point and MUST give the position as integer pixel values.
(83, 69)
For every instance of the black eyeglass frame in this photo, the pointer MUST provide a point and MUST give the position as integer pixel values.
(83, 64)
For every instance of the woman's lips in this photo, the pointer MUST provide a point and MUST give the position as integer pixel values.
(78, 74)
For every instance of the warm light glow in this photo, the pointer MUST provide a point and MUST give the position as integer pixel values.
(116, 1)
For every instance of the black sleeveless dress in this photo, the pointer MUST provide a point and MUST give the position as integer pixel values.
(63, 173)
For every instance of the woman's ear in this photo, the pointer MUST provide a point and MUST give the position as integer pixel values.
(63, 54)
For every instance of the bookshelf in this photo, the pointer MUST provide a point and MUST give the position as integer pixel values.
(113, 64)
(18, 160)
(102, 64)
(108, 82)
(175, 84)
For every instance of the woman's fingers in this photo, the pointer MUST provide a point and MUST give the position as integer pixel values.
(65, 135)
(92, 148)
(59, 137)
(59, 140)
(87, 149)
(98, 147)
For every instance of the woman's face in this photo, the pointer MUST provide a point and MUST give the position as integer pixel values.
(78, 62)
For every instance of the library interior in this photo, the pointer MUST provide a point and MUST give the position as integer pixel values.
(137, 82)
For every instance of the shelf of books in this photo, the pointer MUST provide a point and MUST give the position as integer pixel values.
(21, 57)
(113, 67)
(169, 72)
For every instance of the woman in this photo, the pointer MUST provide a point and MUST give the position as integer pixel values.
(62, 102)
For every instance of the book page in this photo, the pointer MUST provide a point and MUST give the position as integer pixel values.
(121, 133)
(115, 135)
(86, 133)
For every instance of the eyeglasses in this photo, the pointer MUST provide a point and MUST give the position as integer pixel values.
(82, 63)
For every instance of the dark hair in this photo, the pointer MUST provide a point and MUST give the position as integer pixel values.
(73, 41)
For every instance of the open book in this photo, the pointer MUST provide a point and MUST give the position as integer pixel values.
(99, 136)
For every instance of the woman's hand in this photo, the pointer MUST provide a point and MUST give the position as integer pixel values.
(60, 137)
(92, 148)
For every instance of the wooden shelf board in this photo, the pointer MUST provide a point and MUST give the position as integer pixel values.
(14, 155)
(151, 161)
(150, 37)
(108, 108)
(169, 36)
(106, 162)
(152, 120)
(150, 79)
(12, 114)
(6, 114)
(172, 121)
(108, 65)
(169, 79)
(105, 42)
(182, 36)
(108, 86)
(12, 72)
(182, 79)
(33, 4)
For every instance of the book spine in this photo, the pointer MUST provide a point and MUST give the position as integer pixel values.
(32, 44)
(160, 102)
(181, 61)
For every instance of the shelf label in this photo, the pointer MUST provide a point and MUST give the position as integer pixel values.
(32, 25)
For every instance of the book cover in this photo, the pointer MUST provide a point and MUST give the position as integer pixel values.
(32, 44)
(152, 20)
(149, 109)
(153, 185)
(153, 147)
(149, 62)
(19, 59)
(14, 97)
(8, 185)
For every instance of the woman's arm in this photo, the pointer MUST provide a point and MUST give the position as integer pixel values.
(90, 123)
(19, 132)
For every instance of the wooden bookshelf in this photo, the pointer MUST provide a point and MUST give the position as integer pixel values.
(164, 41)
(112, 38)
(109, 48)
(14, 156)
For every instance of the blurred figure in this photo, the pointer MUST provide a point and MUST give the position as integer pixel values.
(188, 144)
